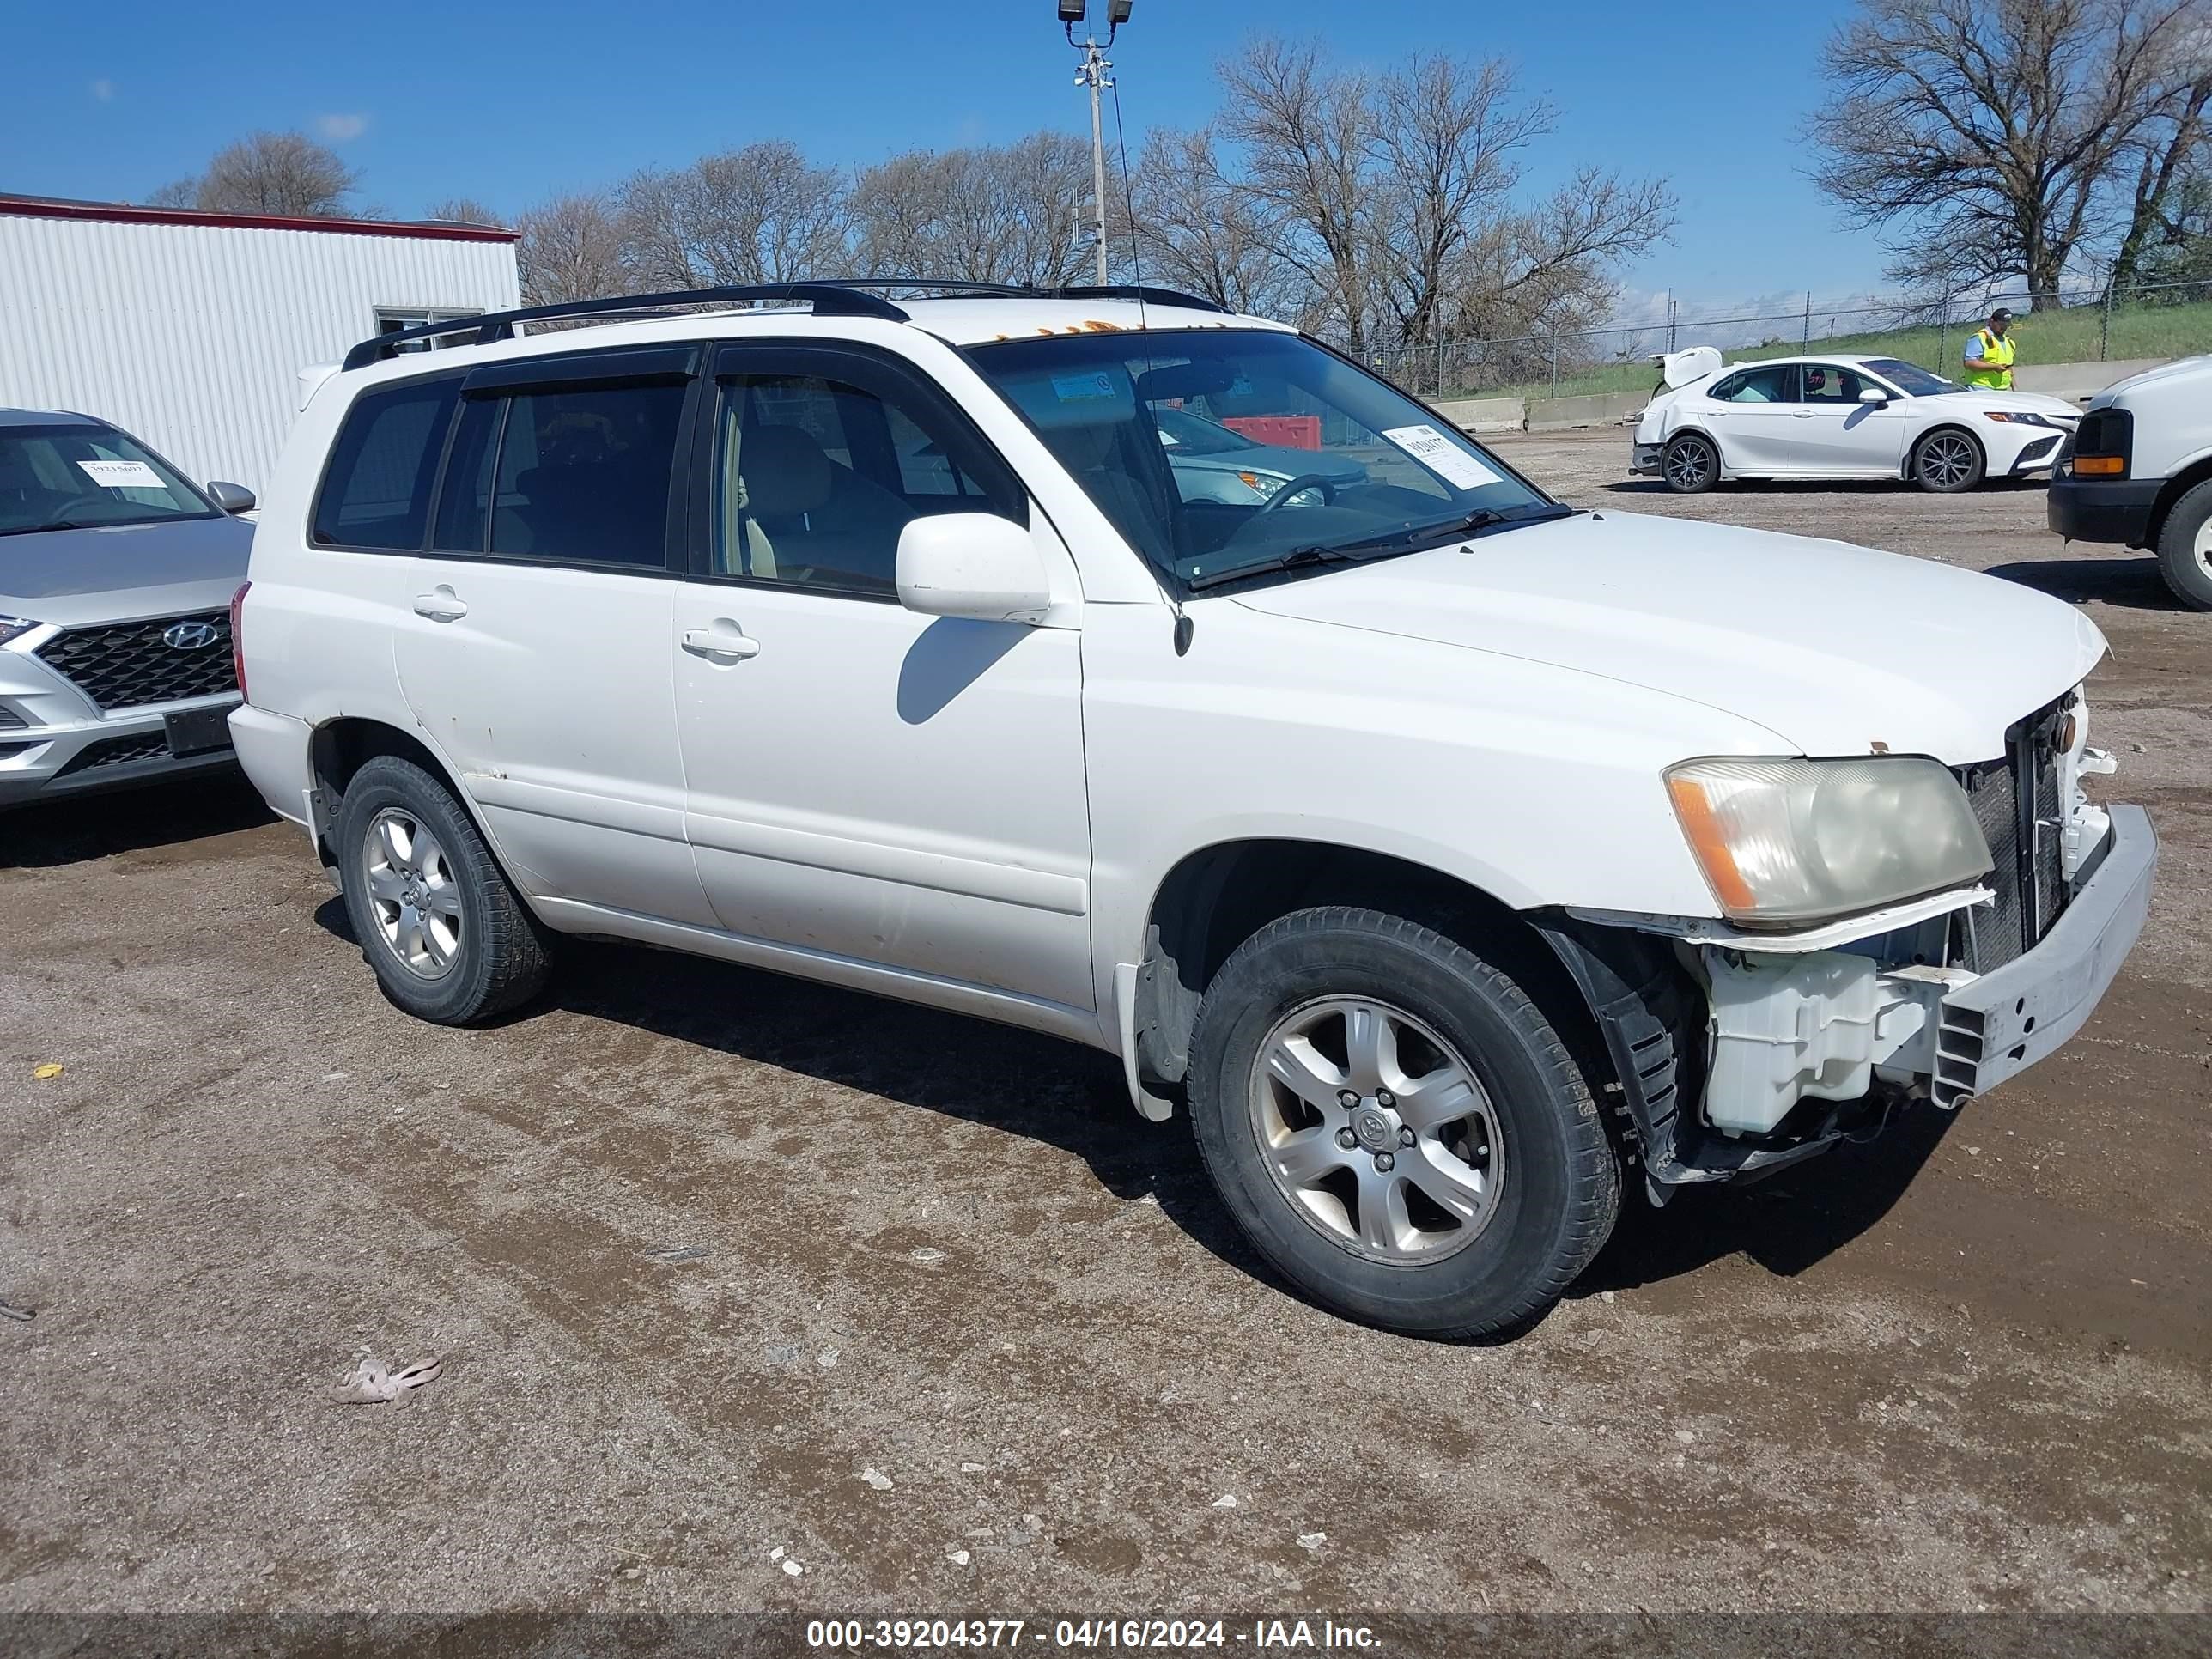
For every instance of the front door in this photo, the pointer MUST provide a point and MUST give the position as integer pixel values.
(1842, 435)
(865, 782)
(536, 652)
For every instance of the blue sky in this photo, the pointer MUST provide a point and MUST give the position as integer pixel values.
(509, 102)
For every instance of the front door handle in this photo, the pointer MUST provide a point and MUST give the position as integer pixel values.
(724, 641)
(441, 605)
(1802, 414)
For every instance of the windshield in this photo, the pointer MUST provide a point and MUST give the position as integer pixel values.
(1374, 471)
(1911, 378)
(81, 477)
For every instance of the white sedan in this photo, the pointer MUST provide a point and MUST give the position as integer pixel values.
(1839, 418)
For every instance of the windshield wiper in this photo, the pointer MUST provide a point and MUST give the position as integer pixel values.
(1297, 558)
(36, 529)
(1482, 519)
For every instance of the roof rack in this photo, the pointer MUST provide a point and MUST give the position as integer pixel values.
(844, 297)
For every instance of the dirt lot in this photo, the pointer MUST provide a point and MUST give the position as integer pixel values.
(1964, 1367)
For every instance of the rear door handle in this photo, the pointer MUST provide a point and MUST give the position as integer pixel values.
(724, 641)
(441, 605)
(1800, 414)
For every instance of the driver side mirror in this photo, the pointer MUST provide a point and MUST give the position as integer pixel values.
(976, 565)
(1874, 395)
(230, 497)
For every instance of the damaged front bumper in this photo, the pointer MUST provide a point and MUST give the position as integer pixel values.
(1788, 1023)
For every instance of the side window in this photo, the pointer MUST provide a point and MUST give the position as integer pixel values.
(464, 497)
(376, 492)
(815, 476)
(583, 475)
(1755, 385)
(1826, 383)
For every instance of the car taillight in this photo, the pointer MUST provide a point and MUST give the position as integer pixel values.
(238, 637)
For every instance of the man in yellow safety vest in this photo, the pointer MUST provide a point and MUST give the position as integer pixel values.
(1990, 353)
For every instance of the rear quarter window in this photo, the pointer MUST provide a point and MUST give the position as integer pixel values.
(376, 492)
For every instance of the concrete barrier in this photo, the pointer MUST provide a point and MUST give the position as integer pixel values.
(1487, 414)
(1603, 409)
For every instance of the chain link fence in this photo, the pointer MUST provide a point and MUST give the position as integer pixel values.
(2073, 324)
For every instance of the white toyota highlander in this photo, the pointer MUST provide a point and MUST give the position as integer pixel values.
(1454, 858)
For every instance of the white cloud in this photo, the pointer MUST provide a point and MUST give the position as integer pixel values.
(339, 128)
(103, 90)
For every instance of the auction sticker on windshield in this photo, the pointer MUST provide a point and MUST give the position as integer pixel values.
(123, 475)
(1442, 456)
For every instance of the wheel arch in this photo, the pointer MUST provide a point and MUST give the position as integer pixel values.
(1982, 449)
(340, 747)
(1215, 898)
(1692, 429)
(2170, 493)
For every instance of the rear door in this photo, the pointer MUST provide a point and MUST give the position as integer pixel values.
(536, 652)
(1753, 414)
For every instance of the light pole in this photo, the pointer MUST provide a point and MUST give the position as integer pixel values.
(1093, 75)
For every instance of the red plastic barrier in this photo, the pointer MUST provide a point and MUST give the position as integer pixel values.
(1285, 431)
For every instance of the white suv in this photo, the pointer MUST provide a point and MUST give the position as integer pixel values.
(1451, 855)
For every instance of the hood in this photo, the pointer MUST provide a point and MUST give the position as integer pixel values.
(122, 572)
(2179, 367)
(1838, 649)
(2027, 403)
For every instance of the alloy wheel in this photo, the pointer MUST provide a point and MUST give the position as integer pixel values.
(1376, 1131)
(1688, 466)
(1947, 460)
(412, 894)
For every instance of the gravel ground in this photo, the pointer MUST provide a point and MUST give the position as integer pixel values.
(731, 1274)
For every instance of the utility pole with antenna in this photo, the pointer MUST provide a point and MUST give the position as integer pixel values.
(1093, 75)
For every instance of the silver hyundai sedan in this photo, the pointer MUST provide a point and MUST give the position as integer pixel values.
(116, 580)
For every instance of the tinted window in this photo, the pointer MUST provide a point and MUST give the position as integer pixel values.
(465, 498)
(1754, 385)
(377, 491)
(583, 474)
(1911, 379)
(1826, 383)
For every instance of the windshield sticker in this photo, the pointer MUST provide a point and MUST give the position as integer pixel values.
(1084, 388)
(1442, 456)
(123, 475)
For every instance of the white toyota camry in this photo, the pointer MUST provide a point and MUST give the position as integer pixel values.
(1839, 417)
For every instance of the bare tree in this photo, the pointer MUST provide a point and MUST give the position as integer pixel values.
(1397, 194)
(1012, 213)
(1998, 138)
(275, 173)
(1200, 230)
(762, 214)
(571, 249)
(1306, 133)
(465, 210)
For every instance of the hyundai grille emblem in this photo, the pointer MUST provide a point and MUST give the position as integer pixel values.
(189, 635)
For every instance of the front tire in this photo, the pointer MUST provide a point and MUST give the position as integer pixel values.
(1395, 1126)
(1689, 464)
(1946, 463)
(448, 937)
(2184, 549)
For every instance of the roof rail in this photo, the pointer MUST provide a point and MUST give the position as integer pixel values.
(842, 297)
(827, 299)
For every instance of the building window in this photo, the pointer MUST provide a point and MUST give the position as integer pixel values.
(390, 320)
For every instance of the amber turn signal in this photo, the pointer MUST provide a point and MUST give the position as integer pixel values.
(2100, 466)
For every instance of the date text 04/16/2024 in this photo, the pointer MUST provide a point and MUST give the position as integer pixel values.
(1112, 1634)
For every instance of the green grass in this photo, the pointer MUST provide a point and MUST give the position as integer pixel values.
(2047, 336)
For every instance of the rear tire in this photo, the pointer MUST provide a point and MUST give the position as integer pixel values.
(447, 935)
(1472, 1180)
(1947, 462)
(1689, 464)
(2184, 549)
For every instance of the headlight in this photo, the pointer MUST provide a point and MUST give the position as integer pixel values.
(2010, 418)
(10, 627)
(1785, 841)
(1263, 484)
